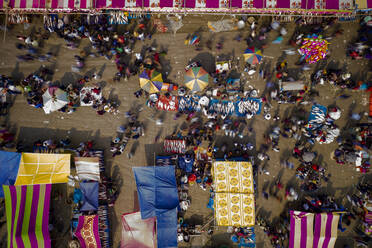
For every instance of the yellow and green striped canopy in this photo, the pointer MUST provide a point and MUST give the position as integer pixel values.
(27, 215)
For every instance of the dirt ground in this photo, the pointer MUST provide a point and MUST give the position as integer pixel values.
(32, 124)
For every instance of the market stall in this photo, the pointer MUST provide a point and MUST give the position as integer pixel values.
(87, 168)
(234, 197)
(9, 165)
(87, 231)
(158, 197)
(54, 99)
(174, 146)
(30, 205)
(190, 6)
(90, 95)
(292, 86)
(40, 168)
(302, 234)
(94, 189)
(138, 232)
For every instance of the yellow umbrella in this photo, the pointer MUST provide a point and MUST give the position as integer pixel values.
(151, 81)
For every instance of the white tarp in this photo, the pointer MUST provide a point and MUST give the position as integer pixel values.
(288, 86)
(87, 168)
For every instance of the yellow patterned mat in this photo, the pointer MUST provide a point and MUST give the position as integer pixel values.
(234, 197)
(233, 177)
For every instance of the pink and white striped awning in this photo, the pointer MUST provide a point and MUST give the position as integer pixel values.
(279, 5)
(46, 4)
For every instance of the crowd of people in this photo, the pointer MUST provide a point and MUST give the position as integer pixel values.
(201, 135)
(361, 202)
(133, 129)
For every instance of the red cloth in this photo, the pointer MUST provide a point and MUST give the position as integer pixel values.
(192, 178)
(297, 151)
(354, 54)
(156, 57)
(90, 144)
(279, 185)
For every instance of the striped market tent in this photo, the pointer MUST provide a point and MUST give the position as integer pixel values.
(193, 5)
(309, 230)
(27, 215)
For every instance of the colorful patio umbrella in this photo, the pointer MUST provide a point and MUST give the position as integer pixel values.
(196, 79)
(151, 81)
(252, 55)
(53, 99)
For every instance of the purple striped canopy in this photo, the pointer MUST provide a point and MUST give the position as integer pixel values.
(27, 215)
(304, 235)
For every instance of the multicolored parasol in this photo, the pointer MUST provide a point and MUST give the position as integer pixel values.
(314, 48)
(151, 81)
(196, 79)
(252, 55)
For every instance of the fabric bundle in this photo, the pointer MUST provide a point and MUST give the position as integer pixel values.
(175, 146)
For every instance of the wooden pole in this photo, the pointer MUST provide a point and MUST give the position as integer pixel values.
(212, 219)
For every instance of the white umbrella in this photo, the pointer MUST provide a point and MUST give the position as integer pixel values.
(204, 101)
(54, 99)
(308, 156)
(335, 114)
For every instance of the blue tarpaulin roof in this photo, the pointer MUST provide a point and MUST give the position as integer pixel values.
(90, 196)
(9, 165)
(158, 196)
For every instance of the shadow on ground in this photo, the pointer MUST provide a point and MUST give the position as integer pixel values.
(151, 150)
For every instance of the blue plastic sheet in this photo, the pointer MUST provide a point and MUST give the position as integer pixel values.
(78, 195)
(158, 196)
(9, 165)
(90, 196)
(167, 229)
(210, 203)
